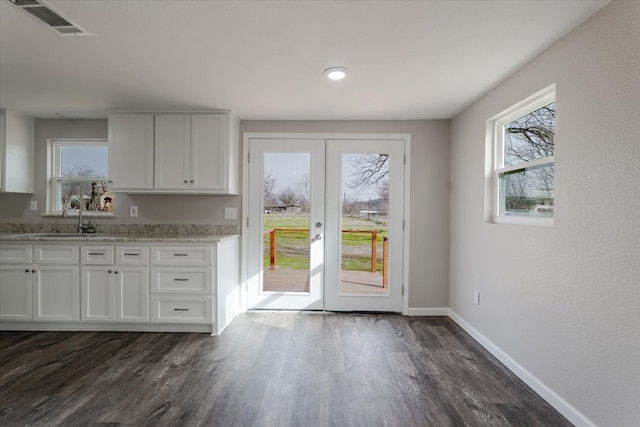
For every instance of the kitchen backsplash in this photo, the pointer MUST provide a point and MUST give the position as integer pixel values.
(131, 229)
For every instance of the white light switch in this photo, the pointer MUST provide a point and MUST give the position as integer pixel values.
(133, 211)
(34, 205)
(230, 213)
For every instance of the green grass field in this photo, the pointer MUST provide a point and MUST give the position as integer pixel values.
(292, 247)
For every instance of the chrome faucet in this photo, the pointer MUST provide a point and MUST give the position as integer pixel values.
(78, 199)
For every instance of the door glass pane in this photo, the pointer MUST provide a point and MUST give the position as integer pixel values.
(286, 219)
(364, 226)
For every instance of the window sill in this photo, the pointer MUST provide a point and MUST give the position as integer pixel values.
(523, 220)
(84, 215)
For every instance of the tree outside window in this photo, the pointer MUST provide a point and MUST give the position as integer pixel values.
(524, 163)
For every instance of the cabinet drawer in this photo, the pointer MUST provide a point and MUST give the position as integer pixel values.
(56, 254)
(132, 255)
(96, 255)
(182, 255)
(182, 280)
(170, 309)
(16, 254)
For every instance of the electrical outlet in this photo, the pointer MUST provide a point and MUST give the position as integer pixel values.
(476, 297)
(34, 205)
(133, 211)
(230, 213)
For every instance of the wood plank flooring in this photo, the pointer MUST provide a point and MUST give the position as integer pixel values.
(266, 369)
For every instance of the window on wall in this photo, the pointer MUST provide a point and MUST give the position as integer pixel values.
(79, 177)
(523, 172)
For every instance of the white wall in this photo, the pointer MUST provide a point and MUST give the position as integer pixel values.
(151, 209)
(564, 302)
(429, 252)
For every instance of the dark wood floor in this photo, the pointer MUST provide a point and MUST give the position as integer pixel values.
(267, 369)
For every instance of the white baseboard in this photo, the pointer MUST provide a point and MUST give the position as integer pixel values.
(434, 311)
(561, 405)
(106, 327)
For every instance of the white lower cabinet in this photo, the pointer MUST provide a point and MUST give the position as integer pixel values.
(16, 292)
(154, 287)
(56, 293)
(119, 291)
(182, 284)
(180, 309)
(40, 283)
(132, 294)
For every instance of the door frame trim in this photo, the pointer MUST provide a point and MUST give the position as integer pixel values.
(355, 136)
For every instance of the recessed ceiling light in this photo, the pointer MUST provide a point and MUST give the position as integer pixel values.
(66, 116)
(336, 73)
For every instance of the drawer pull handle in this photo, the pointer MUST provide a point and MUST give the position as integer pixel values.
(96, 253)
(180, 254)
(180, 309)
(180, 280)
(130, 254)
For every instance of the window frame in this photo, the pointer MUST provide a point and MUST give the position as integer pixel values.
(54, 171)
(496, 127)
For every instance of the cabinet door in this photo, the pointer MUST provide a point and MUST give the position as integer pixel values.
(132, 294)
(209, 152)
(172, 151)
(56, 293)
(131, 151)
(16, 292)
(16, 152)
(98, 293)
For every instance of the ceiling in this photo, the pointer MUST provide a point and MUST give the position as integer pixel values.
(264, 60)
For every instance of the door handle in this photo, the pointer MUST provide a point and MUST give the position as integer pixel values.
(316, 238)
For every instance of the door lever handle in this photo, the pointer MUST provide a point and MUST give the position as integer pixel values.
(316, 238)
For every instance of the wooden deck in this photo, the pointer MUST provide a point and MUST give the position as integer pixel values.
(353, 282)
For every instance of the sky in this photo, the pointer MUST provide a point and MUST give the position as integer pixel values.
(84, 157)
(289, 168)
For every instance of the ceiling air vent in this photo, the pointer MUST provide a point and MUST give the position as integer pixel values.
(45, 13)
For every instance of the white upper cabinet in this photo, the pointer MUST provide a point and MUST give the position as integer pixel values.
(131, 151)
(173, 148)
(209, 152)
(16, 152)
(191, 153)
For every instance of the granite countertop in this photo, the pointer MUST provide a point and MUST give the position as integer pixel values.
(66, 232)
(109, 237)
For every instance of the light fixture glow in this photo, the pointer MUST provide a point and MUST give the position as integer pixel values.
(66, 116)
(336, 73)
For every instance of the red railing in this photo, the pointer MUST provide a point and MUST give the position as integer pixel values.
(374, 249)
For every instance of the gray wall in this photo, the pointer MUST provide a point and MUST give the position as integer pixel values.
(429, 254)
(151, 209)
(564, 302)
(428, 276)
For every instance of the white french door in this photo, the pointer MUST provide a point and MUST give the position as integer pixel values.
(325, 224)
(364, 244)
(286, 245)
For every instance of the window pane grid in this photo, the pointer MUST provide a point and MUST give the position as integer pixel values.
(524, 143)
(80, 171)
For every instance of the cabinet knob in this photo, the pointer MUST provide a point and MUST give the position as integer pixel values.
(192, 181)
(110, 271)
(186, 182)
(27, 270)
(116, 271)
(33, 271)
